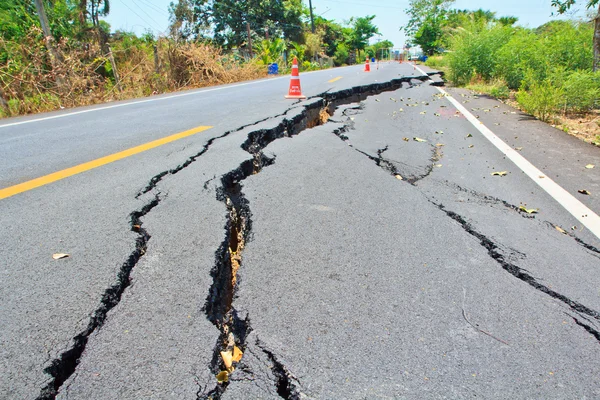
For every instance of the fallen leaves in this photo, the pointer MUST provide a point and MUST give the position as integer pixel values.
(499, 173)
(405, 139)
(237, 354)
(529, 210)
(223, 377)
(58, 256)
(229, 357)
(583, 191)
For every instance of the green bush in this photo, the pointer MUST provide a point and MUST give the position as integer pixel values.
(475, 49)
(539, 98)
(341, 55)
(521, 52)
(501, 91)
(582, 91)
(437, 62)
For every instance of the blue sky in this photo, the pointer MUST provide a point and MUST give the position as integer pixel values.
(141, 15)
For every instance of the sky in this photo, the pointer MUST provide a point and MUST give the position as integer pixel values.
(141, 15)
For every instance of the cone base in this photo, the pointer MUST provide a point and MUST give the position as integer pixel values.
(295, 96)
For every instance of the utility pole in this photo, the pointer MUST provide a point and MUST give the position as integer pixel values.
(249, 39)
(312, 18)
(54, 55)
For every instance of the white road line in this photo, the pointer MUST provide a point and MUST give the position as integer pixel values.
(139, 102)
(587, 217)
(189, 93)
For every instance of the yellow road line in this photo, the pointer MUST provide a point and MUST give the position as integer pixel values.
(65, 173)
(335, 79)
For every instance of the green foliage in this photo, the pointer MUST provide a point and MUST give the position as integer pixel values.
(297, 50)
(332, 34)
(581, 90)
(475, 51)
(270, 51)
(563, 5)
(551, 65)
(539, 98)
(363, 29)
(426, 20)
(341, 54)
(500, 91)
(229, 19)
(438, 62)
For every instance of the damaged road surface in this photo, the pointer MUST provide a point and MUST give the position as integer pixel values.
(353, 245)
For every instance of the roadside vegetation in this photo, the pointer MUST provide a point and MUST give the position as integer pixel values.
(74, 59)
(551, 71)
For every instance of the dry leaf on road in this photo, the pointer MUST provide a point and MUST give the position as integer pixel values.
(227, 359)
(237, 354)
(529, 210)
(499, 173)
(223, 377)
(58, 256)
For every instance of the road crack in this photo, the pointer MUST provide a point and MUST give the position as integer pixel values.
(61, 368)
(218, 306)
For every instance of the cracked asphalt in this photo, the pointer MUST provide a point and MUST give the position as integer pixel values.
(353, 245)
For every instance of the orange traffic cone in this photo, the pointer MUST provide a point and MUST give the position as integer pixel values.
(295, 91)
(367, 66)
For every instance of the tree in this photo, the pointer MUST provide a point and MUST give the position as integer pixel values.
(426, 19)
(231, 19)
(332, 35)
(380, 49)
(182, 22)
(563, 5)
(362, 29)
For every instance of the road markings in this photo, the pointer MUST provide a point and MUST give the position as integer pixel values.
(581, 212)
(334, 79)
(65, 173)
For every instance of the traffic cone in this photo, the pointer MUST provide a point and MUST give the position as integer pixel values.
(367, 66)
(295, 91)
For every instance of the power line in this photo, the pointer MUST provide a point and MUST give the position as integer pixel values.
(364, 4)
(139, 16)
(155, 7)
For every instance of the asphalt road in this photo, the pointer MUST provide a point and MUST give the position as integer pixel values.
(376, 254)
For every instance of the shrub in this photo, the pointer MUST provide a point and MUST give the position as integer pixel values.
(500, 91)
(437, 62)
(341, 55)
(474, 51)
(582, 91)
(541, 99)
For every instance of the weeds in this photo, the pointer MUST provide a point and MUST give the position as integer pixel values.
(28, 82)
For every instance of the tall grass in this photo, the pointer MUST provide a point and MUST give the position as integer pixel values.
(29, 83)
(551, 66)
